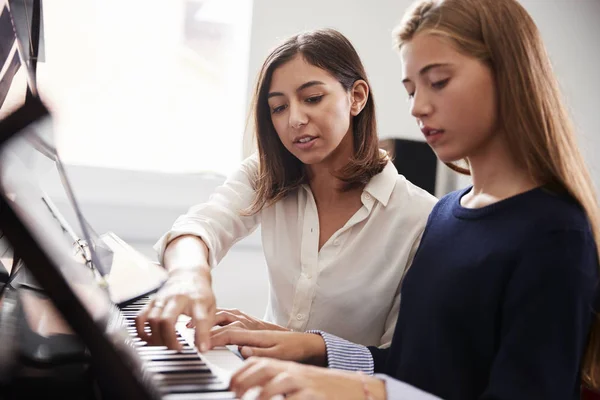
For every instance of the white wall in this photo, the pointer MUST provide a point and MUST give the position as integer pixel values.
(569, 27)
(368, 25)
(572, 33)
(140, 206)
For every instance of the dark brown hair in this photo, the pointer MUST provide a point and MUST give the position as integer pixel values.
(279, 171)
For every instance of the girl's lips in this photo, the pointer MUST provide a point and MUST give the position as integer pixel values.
(433, 136)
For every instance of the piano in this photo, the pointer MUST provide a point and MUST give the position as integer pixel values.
(183, 372)
(102, 333)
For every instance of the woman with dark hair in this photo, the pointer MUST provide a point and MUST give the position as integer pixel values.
(334, 211)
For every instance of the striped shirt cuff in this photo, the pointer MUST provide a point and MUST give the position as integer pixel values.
(345, 355)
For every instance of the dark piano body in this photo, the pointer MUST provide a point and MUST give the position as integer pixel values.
(97, 336)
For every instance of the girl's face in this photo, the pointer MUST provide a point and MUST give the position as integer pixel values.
(452, 96)
(311, 111)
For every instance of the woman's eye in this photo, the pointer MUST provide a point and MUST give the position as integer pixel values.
(440, 84)
(278, 109)
(314, 99)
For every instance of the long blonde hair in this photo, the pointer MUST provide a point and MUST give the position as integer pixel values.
(503, 35)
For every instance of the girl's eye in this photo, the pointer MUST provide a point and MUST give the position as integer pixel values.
(314, 99)
(440, 84)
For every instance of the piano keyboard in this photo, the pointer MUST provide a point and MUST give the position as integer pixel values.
(179, 375)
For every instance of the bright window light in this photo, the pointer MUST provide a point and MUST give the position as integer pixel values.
(148, 84)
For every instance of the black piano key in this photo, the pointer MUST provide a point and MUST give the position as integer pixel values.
(187, 369)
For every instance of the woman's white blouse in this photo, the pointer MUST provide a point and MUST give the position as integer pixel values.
(351, 287)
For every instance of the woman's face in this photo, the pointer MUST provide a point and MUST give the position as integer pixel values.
(311, 111)
(452, 96)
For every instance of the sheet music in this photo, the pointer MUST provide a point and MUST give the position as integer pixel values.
(131, 274)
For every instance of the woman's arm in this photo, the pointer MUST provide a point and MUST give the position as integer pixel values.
(188, 290)
(186, 253)
(197, 241)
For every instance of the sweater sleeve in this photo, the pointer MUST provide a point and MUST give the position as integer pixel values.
(546, 317)
(379, 356)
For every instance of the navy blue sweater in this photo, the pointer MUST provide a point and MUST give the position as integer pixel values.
(498, 301)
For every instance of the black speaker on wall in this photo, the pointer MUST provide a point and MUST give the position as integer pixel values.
(415, 160)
